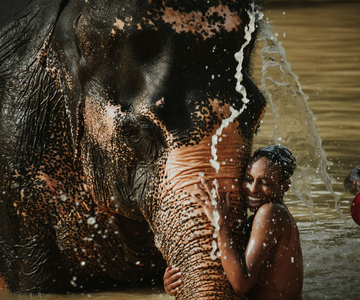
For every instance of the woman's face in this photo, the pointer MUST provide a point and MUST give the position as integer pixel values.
(262, 183)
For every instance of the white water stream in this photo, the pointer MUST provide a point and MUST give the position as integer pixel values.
(254, 15)
(293, 120)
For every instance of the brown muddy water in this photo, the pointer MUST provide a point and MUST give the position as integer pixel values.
(322, 43)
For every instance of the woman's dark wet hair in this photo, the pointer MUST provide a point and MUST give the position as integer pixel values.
(280, 156)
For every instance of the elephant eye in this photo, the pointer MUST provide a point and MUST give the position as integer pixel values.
(147, 46)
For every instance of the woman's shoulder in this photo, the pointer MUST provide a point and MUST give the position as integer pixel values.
(273, 208)
(275, 212)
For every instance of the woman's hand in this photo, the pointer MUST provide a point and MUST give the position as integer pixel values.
(213, 200)
(172, 280)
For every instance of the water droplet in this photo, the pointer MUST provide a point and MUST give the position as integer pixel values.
(63, 197)
(212, 254)
(239, 56)
(91, 221)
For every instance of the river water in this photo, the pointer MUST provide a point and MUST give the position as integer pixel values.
(322, 43)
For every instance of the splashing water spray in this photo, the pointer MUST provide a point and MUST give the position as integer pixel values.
(254, 15)
(293, 120)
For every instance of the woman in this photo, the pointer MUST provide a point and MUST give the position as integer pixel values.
(271, 266)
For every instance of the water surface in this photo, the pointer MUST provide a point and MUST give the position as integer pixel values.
(322, 43)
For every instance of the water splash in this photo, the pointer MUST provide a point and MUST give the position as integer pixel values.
(254, 16)
(215, 224)
(215, 138)
(293, 120)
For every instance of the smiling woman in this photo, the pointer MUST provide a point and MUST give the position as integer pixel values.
(261, 184)
(268, 176)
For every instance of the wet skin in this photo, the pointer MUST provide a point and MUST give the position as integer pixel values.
(107, 114)
(273, 230)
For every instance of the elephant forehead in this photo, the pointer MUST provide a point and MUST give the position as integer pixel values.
(201, 23)
(204, 23)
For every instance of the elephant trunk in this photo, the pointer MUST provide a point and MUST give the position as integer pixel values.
(183, 233)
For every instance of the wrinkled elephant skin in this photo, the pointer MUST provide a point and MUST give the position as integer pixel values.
(108, 109)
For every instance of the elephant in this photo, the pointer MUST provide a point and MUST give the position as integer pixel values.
(111, 111)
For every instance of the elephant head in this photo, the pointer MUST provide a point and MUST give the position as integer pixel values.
(148, 106)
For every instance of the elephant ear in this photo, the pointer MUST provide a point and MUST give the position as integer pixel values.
(13, 10)
(59, 57)
(25, 26)
(10, 9)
